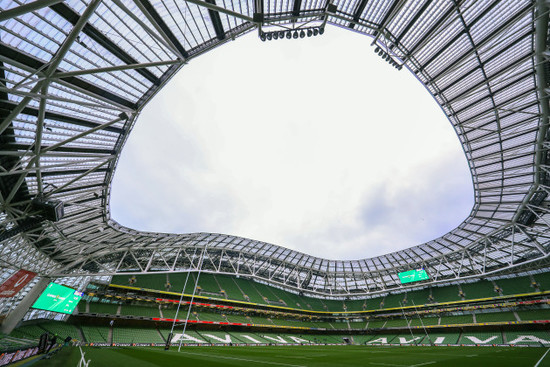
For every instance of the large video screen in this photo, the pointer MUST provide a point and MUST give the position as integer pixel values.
(58, 298)
(413, 276)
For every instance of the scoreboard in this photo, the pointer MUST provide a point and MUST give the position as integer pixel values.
(413, 276)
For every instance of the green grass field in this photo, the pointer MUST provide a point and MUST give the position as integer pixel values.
(298, 356)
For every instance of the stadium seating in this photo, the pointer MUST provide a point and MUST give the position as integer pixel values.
(61, 329)
(8, 343)
(210, 316)
(95, 334)
(209, 284)
(236, 288)
(28, 332)
(397, 323)
(418, 297)
(495, 317)
(528, 337)
(249, 290)
(394, 300)
(543, 281)
(440, 338)
(445, 294)
(479, 289)
(382, 339)
(136, 335)
(102, 308)
(376, 324)
(179, 280)
(136, 310)
(415, 321)
(460, 319)
(481, 338)
(541, 314)
(231, 289)
(516, 285)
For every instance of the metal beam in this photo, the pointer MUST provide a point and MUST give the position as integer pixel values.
(28, 60)
(149, 9)
(92, 32)
(26, 8)
(216, 21)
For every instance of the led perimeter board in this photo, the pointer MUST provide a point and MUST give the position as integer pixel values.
(58, 298)
(413, 276)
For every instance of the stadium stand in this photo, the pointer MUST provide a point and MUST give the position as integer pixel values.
(543, 280)
(479, 289)
(95, 334)
(528, 337)
(495, 316)
(136, 335)
(416, 321)
(139, 310)
(458, 319)
(481, 338)
(541, 314)
(102, 308)
(445, 294)
(418, 297)
(518, 285)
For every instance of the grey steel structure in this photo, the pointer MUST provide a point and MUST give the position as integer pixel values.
(75, 75)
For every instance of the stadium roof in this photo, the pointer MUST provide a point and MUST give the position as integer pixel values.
(75, 76)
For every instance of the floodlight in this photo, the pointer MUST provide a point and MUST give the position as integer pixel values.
(295, 35)
(269, 36)
(309, 32)
(262, 37)
(315, 32)
(302, 34)
(321, 30)
(289, 34)
(275, 35)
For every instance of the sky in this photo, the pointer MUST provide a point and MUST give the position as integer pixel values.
(314, 144)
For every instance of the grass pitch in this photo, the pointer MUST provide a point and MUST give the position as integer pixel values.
(304, 356)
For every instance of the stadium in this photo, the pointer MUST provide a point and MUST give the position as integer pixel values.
(78, 288)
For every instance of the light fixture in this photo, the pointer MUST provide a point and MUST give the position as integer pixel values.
(309, 32)
(295, 35)
(302, 34)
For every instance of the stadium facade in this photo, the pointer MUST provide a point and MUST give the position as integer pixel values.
(75, 76)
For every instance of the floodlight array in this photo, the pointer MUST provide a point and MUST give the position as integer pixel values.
(292, 33)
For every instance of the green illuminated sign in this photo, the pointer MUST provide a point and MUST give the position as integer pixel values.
(413, 276)
(58, 298)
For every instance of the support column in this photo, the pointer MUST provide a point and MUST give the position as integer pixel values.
(13, 318)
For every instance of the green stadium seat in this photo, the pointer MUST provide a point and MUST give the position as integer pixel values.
(460, 319)
(96, 334)
(516, 285)
(479, 289)
(495, 317)
(447, 293)
(542, 314)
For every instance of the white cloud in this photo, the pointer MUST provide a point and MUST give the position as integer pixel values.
(316, 144)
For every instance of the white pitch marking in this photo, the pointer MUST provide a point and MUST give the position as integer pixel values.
(422, 364)
(541, 358)
(386, 364)
(244, 359)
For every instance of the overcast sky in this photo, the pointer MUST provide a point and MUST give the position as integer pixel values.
(314, 144)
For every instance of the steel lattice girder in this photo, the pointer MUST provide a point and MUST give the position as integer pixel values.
(72, 86)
